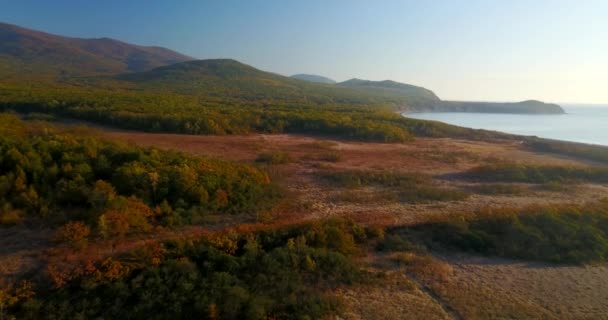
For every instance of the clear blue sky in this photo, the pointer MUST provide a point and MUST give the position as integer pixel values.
(554, 50)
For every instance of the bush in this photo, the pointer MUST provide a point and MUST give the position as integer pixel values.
(561, 234)
(74, 233)
(395, 242)
(512, 172)
(274, 274)
(274, 158)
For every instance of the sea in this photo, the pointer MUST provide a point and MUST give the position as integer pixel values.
(580, 123)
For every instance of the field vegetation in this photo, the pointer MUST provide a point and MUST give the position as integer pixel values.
(516, 172)
(404, 187)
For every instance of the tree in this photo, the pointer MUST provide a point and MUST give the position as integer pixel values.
(74, 233)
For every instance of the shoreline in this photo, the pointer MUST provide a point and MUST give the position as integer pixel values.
(524, 126)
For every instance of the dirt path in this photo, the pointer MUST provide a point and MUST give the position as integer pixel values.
(445, 306)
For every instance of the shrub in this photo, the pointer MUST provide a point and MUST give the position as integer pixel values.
(274, 158)
(512, 172)
(395, 242)
(273, 274)
(74, 233)
(561, 234)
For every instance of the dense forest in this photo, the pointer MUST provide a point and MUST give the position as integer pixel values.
(273, 274)
(61, 176)
(216, 115)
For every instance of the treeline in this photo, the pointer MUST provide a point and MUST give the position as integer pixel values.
(146, 111)
(514, 172)
(60, 176)
(561, 234)
(275, 274)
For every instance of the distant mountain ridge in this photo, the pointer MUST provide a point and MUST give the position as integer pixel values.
(523, 107)
(230, 78)
(36, 57)
(313, 78)
(384, 84)
(425, 98)
(28, 51)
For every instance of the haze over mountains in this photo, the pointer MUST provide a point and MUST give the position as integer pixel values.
(112, 64)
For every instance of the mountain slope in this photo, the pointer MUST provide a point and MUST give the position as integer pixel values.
(419, 97)
(228, 78)
(313, 78)
(523, 107)
(28, 52)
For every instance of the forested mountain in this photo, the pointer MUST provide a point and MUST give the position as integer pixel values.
(28, 52)
(227, 78)
(313, 78)
(420, 98)
(56, 61)
(527, 107)
(389, 85)
(96, 80)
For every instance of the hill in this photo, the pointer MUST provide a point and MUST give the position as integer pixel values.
(313, 78)
(28, 52)
(227, 78)
(420, 97)
(523, 107)
(55, 61)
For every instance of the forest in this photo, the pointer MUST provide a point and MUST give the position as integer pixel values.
(175, 113)
(58, 176)
(283, 273)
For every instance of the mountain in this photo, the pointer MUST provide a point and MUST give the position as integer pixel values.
(228, 78)
(29, 52)
(523, 107)
(52, 61)
(216, 77)
(313, 78)
(419, 97)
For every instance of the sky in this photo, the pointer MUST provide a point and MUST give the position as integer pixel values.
(483, 50)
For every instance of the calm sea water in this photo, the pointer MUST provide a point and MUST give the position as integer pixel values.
(588, 124)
